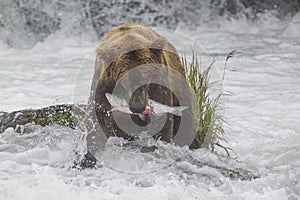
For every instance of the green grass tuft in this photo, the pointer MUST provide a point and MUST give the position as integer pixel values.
(207, 111)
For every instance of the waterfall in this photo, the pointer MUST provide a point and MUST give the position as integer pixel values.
(23, 23)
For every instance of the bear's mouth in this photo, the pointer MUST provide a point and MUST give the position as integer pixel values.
(144, 112)
(142, 117)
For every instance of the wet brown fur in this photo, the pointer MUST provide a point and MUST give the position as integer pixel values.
(123, 48)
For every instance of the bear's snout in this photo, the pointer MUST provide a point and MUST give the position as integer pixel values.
(137, 109)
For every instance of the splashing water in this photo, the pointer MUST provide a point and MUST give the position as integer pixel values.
(263, 113)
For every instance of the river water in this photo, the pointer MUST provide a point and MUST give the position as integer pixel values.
(262, 111)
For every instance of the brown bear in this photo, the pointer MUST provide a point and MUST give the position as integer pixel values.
(149, 68)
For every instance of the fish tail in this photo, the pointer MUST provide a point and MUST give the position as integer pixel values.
(178, 110)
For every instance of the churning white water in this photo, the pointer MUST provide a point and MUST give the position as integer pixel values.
(263, 113)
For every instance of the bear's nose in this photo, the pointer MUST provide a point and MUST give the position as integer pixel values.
(137, 109)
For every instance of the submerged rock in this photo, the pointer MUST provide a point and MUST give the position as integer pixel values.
(57, 114)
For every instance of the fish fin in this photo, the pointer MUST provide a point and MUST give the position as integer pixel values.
(178, 110)
(109, 98)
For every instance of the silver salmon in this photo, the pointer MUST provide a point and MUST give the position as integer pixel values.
(153, 107)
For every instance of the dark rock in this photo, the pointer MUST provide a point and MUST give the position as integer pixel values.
(106, 15)
(58, 114)
(88, 162)
(145, 149)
